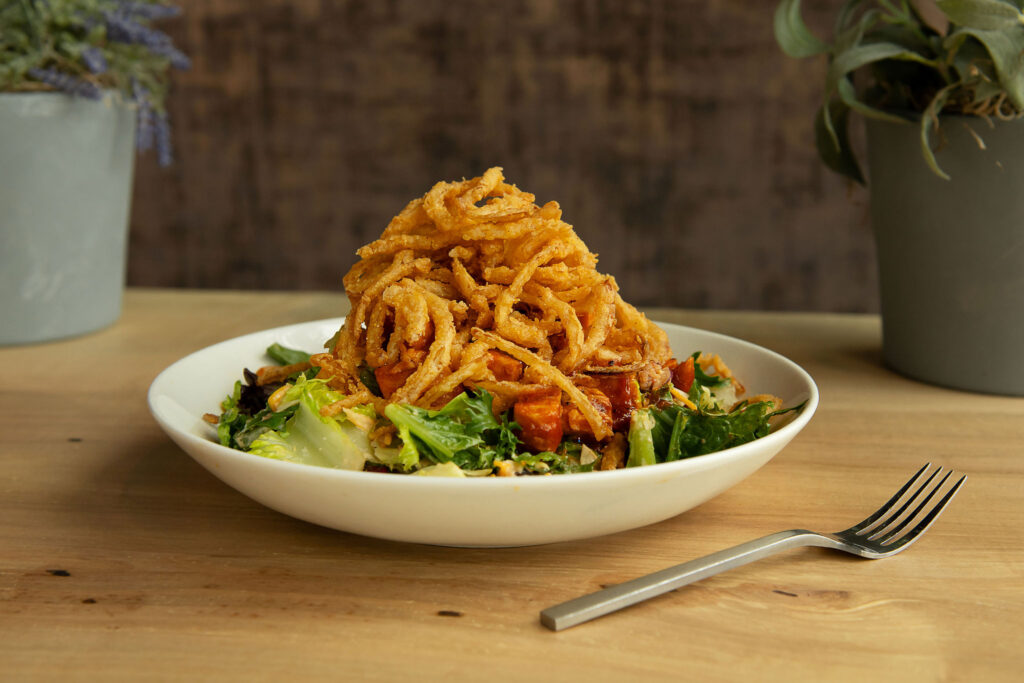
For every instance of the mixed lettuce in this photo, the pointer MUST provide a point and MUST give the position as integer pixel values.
(285, 356)
(465, 437)
(245, 415)
(465, 432)
(311, 438)
(295, 431)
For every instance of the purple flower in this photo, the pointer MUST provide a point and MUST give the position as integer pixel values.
(66, 83)
(164, 153)
(94, 60)
(144, 119)
(148, 10)
(177, 58)
(122, 28)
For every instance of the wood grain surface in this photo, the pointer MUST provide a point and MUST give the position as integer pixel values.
(122, 559)
(675, 134)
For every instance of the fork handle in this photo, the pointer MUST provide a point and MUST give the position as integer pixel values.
(616, 597)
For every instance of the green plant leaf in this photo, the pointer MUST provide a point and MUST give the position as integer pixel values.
(850, 60)
(930, 15)
(976, 70)
(908, 36)
(930, 120)
(846, 15)
(988, 15)
(970, 58)
(851, 36)
(792, 34)
(837, 81)
(1007, 51)
(834, 145)
(849, 97)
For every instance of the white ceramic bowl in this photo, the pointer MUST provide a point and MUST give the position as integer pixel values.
(493, 511)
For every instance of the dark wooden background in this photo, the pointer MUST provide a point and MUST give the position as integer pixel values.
(675, 135)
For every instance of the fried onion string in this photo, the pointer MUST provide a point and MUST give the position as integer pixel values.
(476, 265)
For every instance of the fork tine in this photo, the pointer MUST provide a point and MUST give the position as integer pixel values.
(926, 522)
(895, 525)
(883, 511)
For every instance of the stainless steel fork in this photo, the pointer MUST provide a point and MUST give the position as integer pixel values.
(891, 529)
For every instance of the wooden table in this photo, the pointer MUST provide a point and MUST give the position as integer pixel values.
(121, 558)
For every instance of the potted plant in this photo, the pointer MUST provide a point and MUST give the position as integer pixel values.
(82, 85)
(940, 85)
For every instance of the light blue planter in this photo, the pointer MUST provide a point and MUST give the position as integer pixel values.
(66, 167)
(951, 253)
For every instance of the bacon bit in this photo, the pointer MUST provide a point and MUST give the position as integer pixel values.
(624, 394)
(504, 367)
(683, 374)
(539, 415)
(210, 418)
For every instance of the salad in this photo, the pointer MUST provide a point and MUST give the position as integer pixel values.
(284, 420)
(483, 340)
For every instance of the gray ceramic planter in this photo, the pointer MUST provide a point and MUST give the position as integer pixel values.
(951, 254)
(66, 168)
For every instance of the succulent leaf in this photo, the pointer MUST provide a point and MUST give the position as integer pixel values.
(792, 33)
(911, 60)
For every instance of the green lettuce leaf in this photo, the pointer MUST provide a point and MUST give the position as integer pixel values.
(464, 432)
(680, 432)
(641, 439)
(238, 428)
(231, 420)
(310, 438)
(567, 460)
(446, 469)
(701, 378)
(285, 356)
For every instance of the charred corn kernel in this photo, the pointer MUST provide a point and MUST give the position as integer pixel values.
(506, 468)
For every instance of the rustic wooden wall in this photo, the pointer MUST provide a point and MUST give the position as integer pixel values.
(674, 134)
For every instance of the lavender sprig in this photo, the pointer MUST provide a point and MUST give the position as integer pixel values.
(81, 47)
(144, 120)
(147, 10)
(94, 60)
(66, 83)
(122, 28)
(164, 151)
